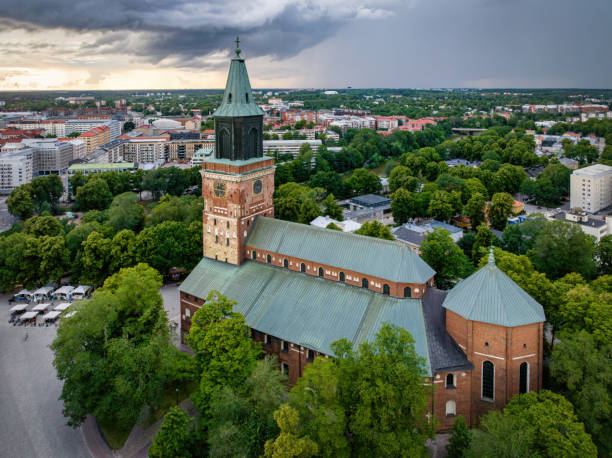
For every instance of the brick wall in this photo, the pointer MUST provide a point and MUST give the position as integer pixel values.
(459, 393)
(333, 273)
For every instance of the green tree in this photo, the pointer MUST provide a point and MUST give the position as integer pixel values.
(172, 439)
(96, 258)
(375, 229)
(401, 177)
(562, 247)
(474, 209)
(332, 209)
(533, 424)
(440, 206)
(94, 195)
(364, 182)
(309, 210)
(123, 250)
(445, 257)
(47, 189)
(460, 439)
(76, 181)
(289, 444)
(54, 258)
(333, 226)
(20, 202)
(43, 225)
(585, 309)
(473, 186)
(583, 371)
(484, 240)
(128, 125)
(242, 419)
(165, 245)
(403, 206)
(125, 213)
(500, 209)
(224, 352)
(604, 254)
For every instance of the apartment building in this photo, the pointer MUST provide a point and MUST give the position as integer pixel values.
(84, 125)
(16, 168)
(591, 188)
(55, 127)
(79, 147)
(143, 150)
(50, 156)
(183, 149)
(271, 147)
(95, 137)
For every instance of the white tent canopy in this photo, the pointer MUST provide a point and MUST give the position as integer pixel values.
(61, 307)
(24, 292)
(66, 289)
(51, 315)
(28, 316)
(42, 307)
(19, 307)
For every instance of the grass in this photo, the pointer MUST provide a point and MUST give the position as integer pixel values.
(381, 169)
(115, 437)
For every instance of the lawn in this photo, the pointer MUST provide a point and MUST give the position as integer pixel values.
(115, 437)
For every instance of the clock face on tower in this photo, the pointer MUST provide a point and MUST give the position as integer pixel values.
(257, 186)
(219, 189)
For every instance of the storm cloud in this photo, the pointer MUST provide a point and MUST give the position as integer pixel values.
(158, 31)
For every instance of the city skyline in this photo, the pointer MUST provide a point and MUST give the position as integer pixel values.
(55, 45)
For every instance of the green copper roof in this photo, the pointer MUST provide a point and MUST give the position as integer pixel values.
(490, 296)
(306, 310)
(238, 98)
(385, 259)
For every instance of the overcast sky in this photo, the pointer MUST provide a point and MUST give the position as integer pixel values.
(132, 44)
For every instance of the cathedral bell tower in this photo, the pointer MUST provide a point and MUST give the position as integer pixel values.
(238, 184)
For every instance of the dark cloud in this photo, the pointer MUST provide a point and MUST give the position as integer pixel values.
(165, 32)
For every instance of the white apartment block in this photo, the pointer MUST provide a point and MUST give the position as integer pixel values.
(50, 156)
(143, 150)
(16, 168)
(591, 188)
(50, 126)
(79, 149)
(289, 146)
(83, 125)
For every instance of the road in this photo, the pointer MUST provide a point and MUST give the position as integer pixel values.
(32, 423)
(6, 219)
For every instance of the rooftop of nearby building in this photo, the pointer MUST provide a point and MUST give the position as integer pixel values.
(490, 296)
(307, 310)
(371, 200)
(385, 259)
(594, 171)
(101, 166)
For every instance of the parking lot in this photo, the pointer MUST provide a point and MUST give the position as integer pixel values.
(32, 422)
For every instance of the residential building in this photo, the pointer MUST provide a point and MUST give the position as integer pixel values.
(201, 155)
(596, 227)
(144, 150)
(280, 147)
(55, 127)
(79, 147)
(591, 188)
(50, 156)
(84, 125)
(16, 168)
(300, 287)
(368, 207)
(182, 150)
(95, 137)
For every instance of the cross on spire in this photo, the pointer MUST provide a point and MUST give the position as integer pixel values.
(237, 50)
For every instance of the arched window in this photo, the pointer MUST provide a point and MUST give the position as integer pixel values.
(224, 144)
(321, 271)
(303, 267)
(341, 276)
(364, 282)
(254, 255)
(450, 381)
(407, 292)
(252, 145)
(285, 264)
(386, 289)
(524, 378)
(246, 96)
(451, 409)
(229, 98)
(488, 380)
(268, 259)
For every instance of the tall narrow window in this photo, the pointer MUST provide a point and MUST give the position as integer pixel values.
(407, 292)
(451, 409)
(450, 381)
(285, 368)
(224, 144)
(488, 380)
(302, 267)
(268, 259)
(386, 289)
(246, 95)
(321, 271)
(252, 145)
(524, 378)
(364, 282)
(229, 98)
(285, 264)
(341, 276)
(285, 346)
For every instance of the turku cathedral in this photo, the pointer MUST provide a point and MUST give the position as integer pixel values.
(300, 288)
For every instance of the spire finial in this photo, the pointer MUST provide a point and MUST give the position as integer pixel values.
(491, 256)
(237, 50)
